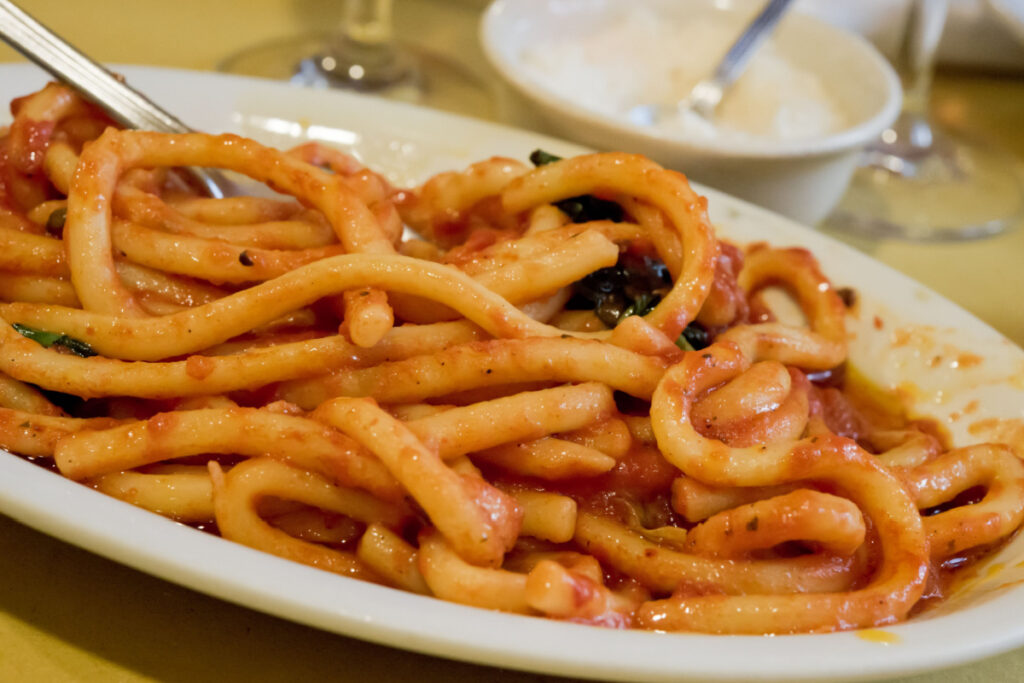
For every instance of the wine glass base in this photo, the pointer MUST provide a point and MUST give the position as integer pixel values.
(424, 77)
(947, 190)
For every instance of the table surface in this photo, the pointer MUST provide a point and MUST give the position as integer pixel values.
(66, 614)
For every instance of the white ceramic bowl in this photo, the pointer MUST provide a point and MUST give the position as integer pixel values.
(801, 178)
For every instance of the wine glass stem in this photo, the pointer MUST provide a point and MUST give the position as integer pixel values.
(363, 53)
(368, 22)
(916, 61)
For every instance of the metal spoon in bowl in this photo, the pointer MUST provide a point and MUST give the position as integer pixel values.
(125, 105)
(708, 93)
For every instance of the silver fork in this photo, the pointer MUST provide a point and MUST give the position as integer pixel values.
(124, 104)
(708, 93)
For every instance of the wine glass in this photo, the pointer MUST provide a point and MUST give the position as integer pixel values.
(363, 55)
(919, 182)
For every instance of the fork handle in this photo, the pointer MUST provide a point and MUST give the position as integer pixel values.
(124, 104)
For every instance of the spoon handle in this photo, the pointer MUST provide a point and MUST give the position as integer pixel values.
(735, 60)
(124, 104)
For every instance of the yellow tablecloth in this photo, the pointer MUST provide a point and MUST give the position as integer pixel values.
(68, 615)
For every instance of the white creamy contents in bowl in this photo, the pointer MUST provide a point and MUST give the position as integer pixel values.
(642, 58)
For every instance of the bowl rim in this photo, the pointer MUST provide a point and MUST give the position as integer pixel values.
(753, 147)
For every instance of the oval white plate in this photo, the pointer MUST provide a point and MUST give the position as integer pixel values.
(947, 363)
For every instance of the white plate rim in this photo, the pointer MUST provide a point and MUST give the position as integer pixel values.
(126, 534)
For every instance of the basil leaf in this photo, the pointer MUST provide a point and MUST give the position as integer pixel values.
(694, 338)
(584, 208)
(539, 157)
(49, 339)
(683, 344)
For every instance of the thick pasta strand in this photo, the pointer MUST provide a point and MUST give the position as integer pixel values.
(183, 493)
(896, 585)
(20, 396)
(203, 326)
(307, 230)
(242, 431)
(33, 434)
(995, 516)
(486, 364)
(666, 570)
(236, 493)
(480, 521)
(630, 175)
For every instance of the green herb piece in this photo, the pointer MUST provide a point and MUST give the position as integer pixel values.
(633, 286)
(683, 344)
(611, 309)
(644, 303)
(584, 208)
(848, 295)
(539, 157)
(696, 336)
(55, 222)
(48, 339)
